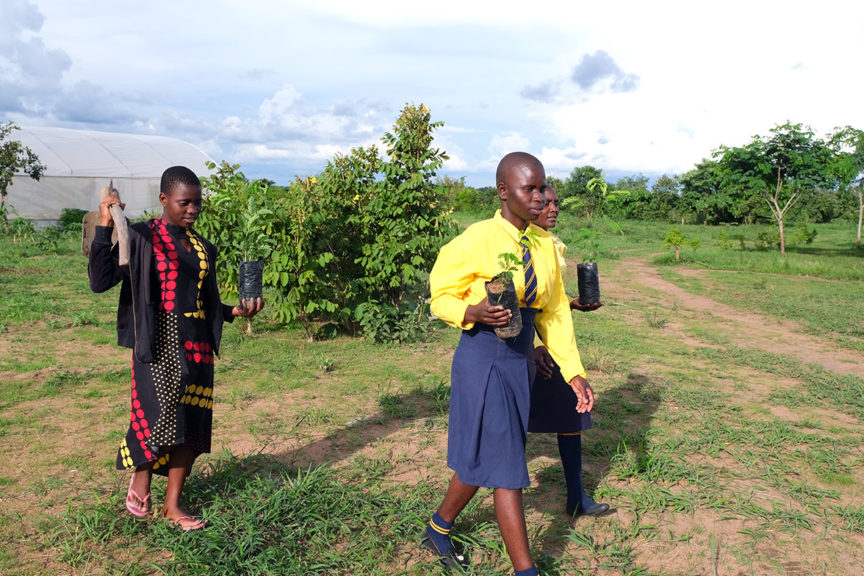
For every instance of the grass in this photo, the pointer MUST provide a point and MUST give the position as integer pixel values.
(329, 456)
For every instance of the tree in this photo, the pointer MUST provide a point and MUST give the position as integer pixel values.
(14, 158)
(780, 168)
(848, 144)
(582, 197)
(703, 195)
(632, 183)
(577, 182)
(675, 239)
(665, 198)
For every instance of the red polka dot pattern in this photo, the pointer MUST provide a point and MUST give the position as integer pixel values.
(166, 264)
(138, 422)
(199, 352)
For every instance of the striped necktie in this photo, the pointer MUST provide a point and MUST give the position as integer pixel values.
(530, 276)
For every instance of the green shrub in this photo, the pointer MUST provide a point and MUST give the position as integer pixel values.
(71, 219)
(676, 239)
(352, 245)
(21, 229)
(803, 233)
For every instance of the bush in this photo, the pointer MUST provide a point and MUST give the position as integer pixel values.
(354, 244)
(21, 229)
(478, 200)
(70, 219)
(767, 239)
(676, 239)
(803, 233)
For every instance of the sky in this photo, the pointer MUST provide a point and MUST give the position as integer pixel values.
(280, 86)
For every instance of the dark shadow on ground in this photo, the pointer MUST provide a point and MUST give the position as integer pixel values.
(395, 412)
(620, 420)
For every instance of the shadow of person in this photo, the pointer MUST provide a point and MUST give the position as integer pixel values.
(395, 411)
(620, 421)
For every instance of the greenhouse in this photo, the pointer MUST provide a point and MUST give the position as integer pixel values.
(79, 163)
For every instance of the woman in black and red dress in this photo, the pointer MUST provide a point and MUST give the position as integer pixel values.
(171, 316)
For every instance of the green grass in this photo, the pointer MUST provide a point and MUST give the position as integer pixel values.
(342, 447)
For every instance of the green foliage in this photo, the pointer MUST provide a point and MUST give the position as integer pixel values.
(803, 233)
(477, 200)
(509, 263)
(586, 243)
(584, 192)
(14, 158)
(71, 218)
(781, 169)
(727, 241)
(237, 218)
(676, 239)
(21, 229)
(352, 245)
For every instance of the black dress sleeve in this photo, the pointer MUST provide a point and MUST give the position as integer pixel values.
(103, 270)
(227, 313)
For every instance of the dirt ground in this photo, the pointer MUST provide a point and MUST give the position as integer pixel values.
(55, 428)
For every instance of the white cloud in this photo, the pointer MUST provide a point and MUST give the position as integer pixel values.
(327, 76)
(30, 72)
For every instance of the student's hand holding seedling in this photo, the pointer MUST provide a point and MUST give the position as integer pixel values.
(486, 314)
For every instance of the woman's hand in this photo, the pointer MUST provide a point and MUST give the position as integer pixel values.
(544, 363)
(576, 305)
(248, 307)
(584, 393)
(105, 212)
(491, 315)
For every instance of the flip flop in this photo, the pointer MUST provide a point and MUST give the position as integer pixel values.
(134, 509)
(197, 525)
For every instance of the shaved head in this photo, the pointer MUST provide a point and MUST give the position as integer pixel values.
(514, 160)
(521, 186)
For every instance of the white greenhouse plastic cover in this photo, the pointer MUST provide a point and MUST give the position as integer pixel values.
(79, 163)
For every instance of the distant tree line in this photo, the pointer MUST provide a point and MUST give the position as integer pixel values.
(790, 175)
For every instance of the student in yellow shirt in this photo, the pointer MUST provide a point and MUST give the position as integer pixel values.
(490, 377)
(552, 399)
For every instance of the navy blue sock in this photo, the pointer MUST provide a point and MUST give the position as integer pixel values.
(570, 449)
(438, 530)
(532, 571)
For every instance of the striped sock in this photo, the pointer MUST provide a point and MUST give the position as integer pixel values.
(532, 571)
(438, 531)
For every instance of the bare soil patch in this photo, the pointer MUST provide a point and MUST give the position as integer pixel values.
(746, 329)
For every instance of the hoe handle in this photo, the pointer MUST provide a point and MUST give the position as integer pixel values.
(122, 233)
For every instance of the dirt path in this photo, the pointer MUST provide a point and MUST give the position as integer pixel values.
(745, 329)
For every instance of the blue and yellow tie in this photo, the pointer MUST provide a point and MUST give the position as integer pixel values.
(530, 277)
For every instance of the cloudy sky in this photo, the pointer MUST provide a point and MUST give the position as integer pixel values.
(280, 86)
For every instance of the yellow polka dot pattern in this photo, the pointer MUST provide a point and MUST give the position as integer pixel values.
(198, 396)
(162, 461)
(166, 374)
(125, 455)
(204, 269)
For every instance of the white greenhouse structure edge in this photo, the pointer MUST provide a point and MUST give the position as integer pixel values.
(79, 163)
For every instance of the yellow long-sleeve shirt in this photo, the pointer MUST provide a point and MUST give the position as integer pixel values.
(470, 260)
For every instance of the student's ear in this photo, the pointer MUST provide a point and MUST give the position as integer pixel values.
(502, 191)
(162, 198)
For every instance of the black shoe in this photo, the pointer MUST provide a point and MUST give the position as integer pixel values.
(450, 559)
(596, 509)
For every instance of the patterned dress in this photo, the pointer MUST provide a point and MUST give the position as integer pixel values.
(172, 397)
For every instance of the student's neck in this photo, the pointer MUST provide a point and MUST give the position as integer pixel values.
(519, 223)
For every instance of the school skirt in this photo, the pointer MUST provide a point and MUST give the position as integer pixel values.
(490, 398)
(553, 407)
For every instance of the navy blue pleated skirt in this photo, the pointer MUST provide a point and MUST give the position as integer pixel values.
(490, 398)
(553, 407)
